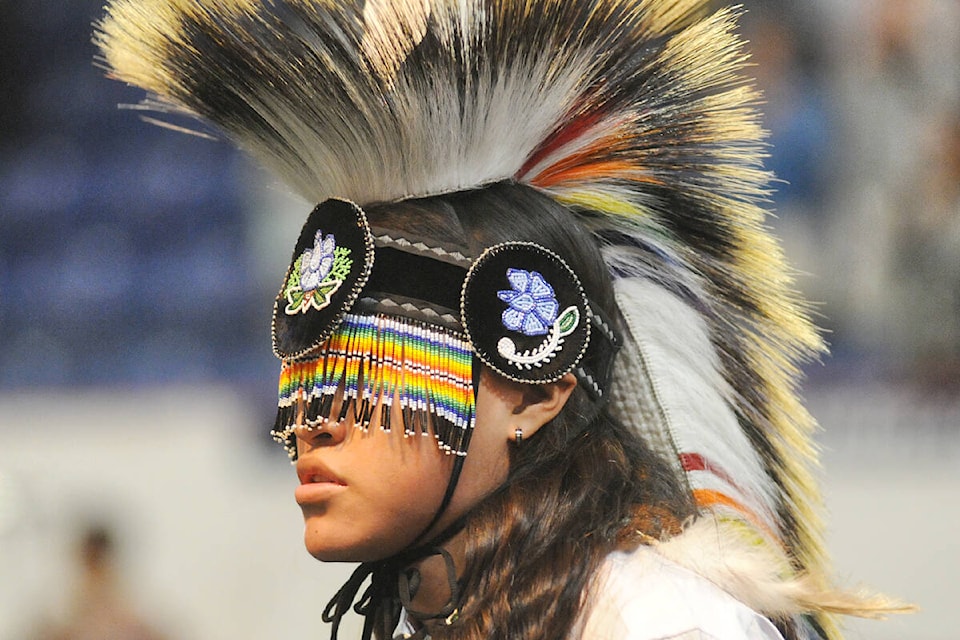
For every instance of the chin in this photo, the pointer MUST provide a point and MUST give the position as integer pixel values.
(334, 550)
(332, 555)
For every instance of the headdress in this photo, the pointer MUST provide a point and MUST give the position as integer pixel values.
(633, 114)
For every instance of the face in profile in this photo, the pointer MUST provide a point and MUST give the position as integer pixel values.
(367, 494)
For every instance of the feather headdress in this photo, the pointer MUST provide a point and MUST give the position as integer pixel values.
(633, 113)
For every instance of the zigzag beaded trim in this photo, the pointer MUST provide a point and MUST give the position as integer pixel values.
(376, 360)
(588, 380)
(600, 323)
(409, 307)
(421, 248)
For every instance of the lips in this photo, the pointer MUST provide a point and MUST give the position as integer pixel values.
(318, 485)
(313, 472)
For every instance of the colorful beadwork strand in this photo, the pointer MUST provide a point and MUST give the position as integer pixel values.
(372, 362)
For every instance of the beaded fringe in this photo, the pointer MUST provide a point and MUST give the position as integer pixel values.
(377, 360)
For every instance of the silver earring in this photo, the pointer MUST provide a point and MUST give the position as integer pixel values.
(518, 435)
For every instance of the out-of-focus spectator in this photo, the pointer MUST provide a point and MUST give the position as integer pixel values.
(790, 52)
(99, 611)
(788, 58)
(898, 63)
(926, 271)
(862, 101)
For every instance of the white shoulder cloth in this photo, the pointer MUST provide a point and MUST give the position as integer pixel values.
(642, 595)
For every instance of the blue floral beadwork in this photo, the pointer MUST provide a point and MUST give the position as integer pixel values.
(532, 304)
(533, 310)
(317, 274)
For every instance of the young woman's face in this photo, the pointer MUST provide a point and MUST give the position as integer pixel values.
(368, 495)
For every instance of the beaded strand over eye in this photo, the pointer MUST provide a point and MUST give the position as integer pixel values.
(375, 360)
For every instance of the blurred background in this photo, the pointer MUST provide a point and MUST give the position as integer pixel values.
(138, 267)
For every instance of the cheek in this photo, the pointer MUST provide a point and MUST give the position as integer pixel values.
(488, 460)
(413, 477)
(396, 485)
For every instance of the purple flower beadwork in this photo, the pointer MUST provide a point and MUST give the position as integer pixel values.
(316, 275)
(532, 305)
(317, 261)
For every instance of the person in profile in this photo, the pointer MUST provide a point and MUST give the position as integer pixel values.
(539, 354)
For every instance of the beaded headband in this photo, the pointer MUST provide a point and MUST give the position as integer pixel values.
(376, 334)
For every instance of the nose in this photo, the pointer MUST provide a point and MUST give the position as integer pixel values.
(325, 434)
(325, 430)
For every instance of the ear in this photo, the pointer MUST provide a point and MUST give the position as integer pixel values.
(540, 403)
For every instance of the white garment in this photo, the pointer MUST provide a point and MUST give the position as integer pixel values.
(641, 595)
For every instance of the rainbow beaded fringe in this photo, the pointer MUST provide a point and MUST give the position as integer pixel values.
(378, 360)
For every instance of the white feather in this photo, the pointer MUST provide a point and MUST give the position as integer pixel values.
(694, 399)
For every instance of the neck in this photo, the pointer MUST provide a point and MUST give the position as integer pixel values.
(434, 591)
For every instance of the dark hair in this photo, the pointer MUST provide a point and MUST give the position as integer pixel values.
(581, 487)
